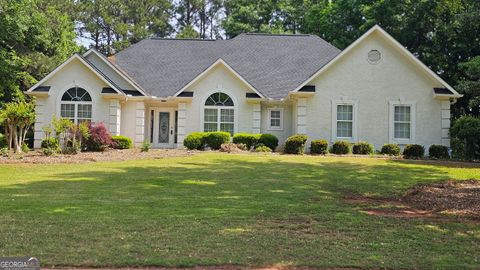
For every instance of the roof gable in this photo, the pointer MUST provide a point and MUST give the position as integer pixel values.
(219, 62)
(396, 45)
(85, 63)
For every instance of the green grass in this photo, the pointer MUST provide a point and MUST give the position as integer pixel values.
(212, 209)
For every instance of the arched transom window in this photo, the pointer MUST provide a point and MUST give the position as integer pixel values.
(76, 105)
(219, 113)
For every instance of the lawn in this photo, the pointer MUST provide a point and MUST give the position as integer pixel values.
(213, 209)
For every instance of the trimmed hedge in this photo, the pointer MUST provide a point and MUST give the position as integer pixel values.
(413, 151)
(295, 144)
(269, 140)
(121, 142)
(341, 148)
(195, 141)
(214, 140)
(250, 140)
(319, 147)
(362, 148)
(438, 151)
(390, 149)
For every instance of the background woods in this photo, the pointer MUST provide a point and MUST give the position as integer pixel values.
(37, 35)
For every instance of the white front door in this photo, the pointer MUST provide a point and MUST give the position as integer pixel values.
(163, 127)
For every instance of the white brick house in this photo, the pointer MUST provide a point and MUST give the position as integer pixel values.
(160, 90)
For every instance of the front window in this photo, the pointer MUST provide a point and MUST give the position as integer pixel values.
(219, 114)
(344, 121)
(402, 122)
(76, 105)
(275, 119)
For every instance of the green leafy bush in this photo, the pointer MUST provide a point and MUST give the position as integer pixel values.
(340, 148)
(250, 140)
(458, 148)
(146, 145)
(269, 140)
(214, 140)
(467, 129)
(319, 147)
(295, 144)
(413, 151)
(390, 149)
(195, 141)
(121, 142)
(362, 148)
(3, 141)
(438, 151)
(4, 151)
(51, 143)
(263, 148)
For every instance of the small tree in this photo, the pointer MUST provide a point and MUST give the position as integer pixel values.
(18, 118)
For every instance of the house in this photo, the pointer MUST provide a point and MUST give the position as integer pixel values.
(160, 90)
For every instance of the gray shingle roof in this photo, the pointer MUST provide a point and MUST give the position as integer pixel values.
(273, 64)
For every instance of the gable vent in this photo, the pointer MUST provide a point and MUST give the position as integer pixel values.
(374, 57)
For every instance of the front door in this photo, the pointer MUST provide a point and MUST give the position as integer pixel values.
(163, 127)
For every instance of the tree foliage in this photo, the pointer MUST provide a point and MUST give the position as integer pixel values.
(34, 38)
(17, 118)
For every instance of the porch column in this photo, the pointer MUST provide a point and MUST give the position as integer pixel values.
(139, 122)
(257, 118)
(302, 116)
(181, 123)
(40, 122)
(114, 118)
(446, 122)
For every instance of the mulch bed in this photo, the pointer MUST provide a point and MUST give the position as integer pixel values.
(110, 155)
(457, 198)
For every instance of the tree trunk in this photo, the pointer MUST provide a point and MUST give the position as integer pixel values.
(16, 146)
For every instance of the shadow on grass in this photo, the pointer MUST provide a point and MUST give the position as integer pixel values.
(224, 210)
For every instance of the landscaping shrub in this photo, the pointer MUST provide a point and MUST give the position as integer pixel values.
(4, 151)
(230, 148)
(121, 142)
(413, 151)
(269, 140)
(467, 130)
(250, 140)
(242, 147)
(319, 147)
(340, 148)
(195, 140)
(99, 138)
(214, 140)
(458, 148)
(51, 143)
(295, 144)
(145, 146)
(263, 148)
(438, 151)
(3, 141)
(390, 149)
(362, 148)
(25, 148)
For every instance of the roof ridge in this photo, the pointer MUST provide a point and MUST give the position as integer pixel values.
(281, 34)
(184, 39)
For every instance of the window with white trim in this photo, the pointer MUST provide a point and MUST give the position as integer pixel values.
(219, 113)
(402, 122)
(76, 105)
(344, 121)
(275, 119)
